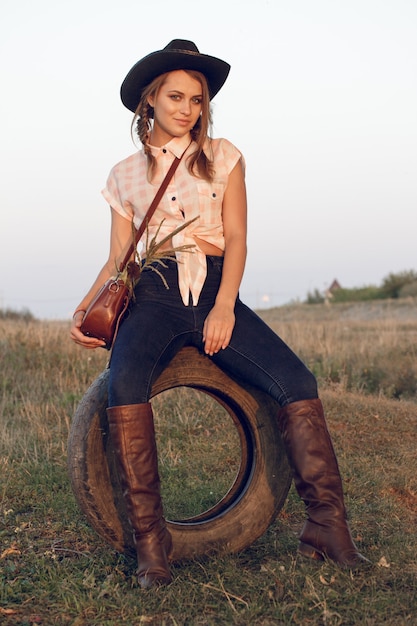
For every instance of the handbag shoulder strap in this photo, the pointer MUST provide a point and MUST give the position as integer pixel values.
(150, 212)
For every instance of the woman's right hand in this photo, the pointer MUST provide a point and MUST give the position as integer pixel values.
(79, 338)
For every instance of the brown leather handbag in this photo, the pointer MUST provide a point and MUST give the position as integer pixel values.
(107, 309)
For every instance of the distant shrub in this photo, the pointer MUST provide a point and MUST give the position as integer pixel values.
(359, 294)
(9, 314)
(408, 290)
(315, 297)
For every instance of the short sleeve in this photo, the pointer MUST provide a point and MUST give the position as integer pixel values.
(112, 194)
(124, 184)
(226, 155)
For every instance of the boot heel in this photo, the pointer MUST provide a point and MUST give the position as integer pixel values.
(306, 550)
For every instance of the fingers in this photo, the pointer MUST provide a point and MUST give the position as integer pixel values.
(89, 342)
(216, 342)
(216, 336)
(80, 339)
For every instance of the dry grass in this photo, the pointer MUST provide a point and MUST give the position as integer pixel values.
(362, 348)
(55, 570)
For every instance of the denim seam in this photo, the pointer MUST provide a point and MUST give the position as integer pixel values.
(150, 377)
(279, 384)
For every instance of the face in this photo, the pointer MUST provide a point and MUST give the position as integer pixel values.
(177, 106)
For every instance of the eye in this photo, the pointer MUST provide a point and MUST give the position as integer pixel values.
(175, 97)
(198, 100)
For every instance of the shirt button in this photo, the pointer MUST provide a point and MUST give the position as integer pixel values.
(173, 198)
(164, 150)
(214, 195)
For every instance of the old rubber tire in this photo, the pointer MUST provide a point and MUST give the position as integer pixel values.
(239, 518)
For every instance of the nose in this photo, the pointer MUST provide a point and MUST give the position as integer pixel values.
(185, 107)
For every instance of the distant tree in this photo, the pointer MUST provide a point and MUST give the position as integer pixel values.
(394, 283)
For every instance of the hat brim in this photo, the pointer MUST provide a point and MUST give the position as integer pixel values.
(144, 71)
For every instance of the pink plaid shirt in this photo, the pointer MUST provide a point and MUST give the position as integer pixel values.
(186, 197)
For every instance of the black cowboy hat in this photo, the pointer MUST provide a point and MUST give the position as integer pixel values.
(179, 54)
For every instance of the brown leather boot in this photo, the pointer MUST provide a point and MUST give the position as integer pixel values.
(132, 431)
(317, 479)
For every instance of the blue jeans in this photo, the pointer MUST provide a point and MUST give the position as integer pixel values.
(158, 325)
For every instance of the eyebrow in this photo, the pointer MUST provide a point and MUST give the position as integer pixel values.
(181, 93)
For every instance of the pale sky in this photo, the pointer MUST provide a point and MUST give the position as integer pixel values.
(321, 100)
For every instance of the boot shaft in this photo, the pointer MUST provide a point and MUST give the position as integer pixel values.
(132, 431)
(311, 455)
(318, 482)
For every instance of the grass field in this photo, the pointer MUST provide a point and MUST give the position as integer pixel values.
(55, 570)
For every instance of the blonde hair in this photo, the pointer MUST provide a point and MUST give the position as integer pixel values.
(198, 163)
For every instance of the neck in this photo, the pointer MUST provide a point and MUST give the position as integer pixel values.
(157, 140)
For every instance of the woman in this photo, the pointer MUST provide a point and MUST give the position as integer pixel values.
(169, 92)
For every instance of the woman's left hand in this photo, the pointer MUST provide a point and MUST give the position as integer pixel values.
(218, 328)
